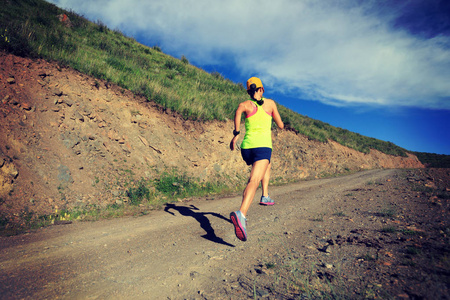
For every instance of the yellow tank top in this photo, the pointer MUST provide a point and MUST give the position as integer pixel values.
(258, 127)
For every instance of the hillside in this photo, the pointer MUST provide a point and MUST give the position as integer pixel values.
(35, 28)
(75, 144)
(94, 123)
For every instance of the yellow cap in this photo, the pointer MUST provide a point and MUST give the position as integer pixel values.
(256, 81)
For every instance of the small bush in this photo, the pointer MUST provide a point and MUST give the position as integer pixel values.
(184, 60)
(139, 193)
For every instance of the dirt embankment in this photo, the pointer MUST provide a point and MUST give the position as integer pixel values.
(70, 140)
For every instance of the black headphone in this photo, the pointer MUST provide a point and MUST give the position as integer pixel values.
(253, 89)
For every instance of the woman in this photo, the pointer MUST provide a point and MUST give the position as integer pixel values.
(256, 148)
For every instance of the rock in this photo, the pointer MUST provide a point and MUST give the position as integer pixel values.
(9, 169)
(431, 184)
(143, 140)
(78, 116)
(64, 19)
(70, 140)
(25, 106)
(327, 266)
(262, 293)
(68, 102)
(11, 80)
(325, 249)
(58, 93)
(8, 173)
(64, 174)
(113, 135)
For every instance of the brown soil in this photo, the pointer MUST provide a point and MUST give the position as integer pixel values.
(380, 234)
(70, 141)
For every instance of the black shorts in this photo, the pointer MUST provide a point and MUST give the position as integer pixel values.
(255, 154)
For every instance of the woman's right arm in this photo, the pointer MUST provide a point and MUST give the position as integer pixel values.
(238, 116)
(237, 124)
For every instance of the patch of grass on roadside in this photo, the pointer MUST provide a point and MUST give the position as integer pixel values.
(318, 218)
(376, 182)
(139, 193)
(412, 250)
(422, 188)
(389, 229)
(369, 257)
(173, 185)
(443, 195)
(304, 280)
(412, 232)
(387, 212)
(140, 197)
(339, 214)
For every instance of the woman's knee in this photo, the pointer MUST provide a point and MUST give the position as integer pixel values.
(254, 180)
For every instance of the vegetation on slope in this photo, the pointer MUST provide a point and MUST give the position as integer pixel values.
(433, 160)
(31, 28)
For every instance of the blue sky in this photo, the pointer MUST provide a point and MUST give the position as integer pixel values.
(380, 68)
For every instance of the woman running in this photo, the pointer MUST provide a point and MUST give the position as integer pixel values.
(256, 148)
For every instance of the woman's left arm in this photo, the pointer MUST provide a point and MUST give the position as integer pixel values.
(276, 116)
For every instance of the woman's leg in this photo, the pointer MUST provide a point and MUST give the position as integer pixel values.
(257, 174)
(265, 181)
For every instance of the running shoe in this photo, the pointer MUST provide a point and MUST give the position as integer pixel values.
(266, 201)
(240, 223)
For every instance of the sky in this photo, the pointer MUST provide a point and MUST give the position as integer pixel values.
(379, 68)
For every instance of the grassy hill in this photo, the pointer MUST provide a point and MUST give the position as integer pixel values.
(32, 28)
(433, 160)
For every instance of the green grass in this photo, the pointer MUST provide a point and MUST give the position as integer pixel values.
(389, 229)
(297, 278)
(139, 193)
(432, 160)
(339, 214)
(31, 28)
(141, 197)
(170, 186)
(318, 218)
(387, 212)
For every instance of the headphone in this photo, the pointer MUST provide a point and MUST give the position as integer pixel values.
(253, 89)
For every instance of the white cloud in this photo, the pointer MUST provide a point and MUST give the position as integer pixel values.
(334, 52)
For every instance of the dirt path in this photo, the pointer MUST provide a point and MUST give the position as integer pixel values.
(189, 251)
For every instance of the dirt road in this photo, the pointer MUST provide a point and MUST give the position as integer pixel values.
(189, 250)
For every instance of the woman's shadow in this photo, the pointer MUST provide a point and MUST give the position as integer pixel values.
(190, 211)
